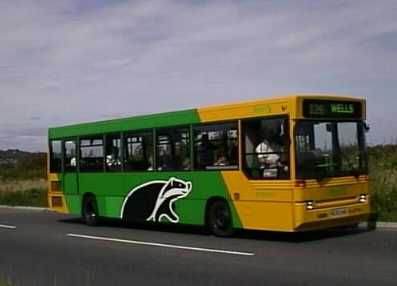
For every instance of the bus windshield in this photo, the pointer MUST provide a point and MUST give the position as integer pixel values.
(330, 149)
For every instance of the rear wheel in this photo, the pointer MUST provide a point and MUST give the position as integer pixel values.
(90, 211)
(219, 219)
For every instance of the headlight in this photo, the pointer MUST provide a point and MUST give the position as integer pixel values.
(362, 198)
(309, 205)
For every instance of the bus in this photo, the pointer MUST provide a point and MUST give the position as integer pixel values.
(291, 163)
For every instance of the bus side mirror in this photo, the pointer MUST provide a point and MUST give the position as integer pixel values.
(366, 127)
(329, 127)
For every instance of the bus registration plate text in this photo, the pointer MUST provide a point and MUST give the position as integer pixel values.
(338, 212)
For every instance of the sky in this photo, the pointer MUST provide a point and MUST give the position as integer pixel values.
(70, 61)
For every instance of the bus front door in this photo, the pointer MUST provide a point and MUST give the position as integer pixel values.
(70, 174)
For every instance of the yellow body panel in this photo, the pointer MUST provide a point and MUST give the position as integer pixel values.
(279, 205)
(250, 109)
(276, 106)
(325, 217)
(330, 195)
(332, 189)
(56, 199)
(265, 205)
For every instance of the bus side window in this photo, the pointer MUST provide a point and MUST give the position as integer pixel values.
(173, 149)
(56, 156)
(216, 146)
(91, 154)
(138, 152)
(70, 159)
(113, 152)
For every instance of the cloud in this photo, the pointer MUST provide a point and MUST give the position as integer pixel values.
(70, 61)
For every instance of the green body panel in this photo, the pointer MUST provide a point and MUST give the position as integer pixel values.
(70, 183)
(74, 204)
(110, 190)
(125, 124)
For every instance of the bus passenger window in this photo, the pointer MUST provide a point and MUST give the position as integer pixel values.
(173, 149)
(91, 154)
(216, 147)
(138, 152)
(113, 153)
(56, 156)
(266, 148)
(70, 155)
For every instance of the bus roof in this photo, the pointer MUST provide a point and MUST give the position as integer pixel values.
(245, 109)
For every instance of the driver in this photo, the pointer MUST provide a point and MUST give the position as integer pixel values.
(268, 153)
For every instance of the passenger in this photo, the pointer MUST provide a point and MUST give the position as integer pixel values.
(150, 163)
(113, 158)
(221, 159)
(73, 162)
(233, 153)
(205, 152)
(181, 159)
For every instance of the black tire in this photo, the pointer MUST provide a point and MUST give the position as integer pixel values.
(219, 219)
(90, 211)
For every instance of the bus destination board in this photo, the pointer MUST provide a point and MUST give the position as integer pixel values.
(331, 109)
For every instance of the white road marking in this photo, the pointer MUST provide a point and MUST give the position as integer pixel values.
(7, 226)
(161, 245)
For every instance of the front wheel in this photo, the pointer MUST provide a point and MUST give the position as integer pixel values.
(219, 219)
(90, 211)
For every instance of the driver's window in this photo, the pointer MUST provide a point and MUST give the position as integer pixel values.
(69, 152)
(266, 148)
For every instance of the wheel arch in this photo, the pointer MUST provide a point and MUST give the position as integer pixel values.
(85, 197)
(209, 202)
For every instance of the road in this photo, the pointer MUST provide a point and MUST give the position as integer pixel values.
(46, 248)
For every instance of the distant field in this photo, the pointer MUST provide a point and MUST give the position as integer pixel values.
(23, 179)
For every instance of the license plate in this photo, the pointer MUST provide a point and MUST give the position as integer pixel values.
(338, 212)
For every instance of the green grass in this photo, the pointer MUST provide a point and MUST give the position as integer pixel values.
(5, 282)
(383, 179)
(31, 197)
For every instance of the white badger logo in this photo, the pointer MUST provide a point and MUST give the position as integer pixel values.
(154, 200)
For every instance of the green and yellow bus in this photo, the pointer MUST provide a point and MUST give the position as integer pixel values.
(289, 164)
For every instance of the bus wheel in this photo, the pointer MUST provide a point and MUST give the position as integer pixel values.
(219, 219)
(90, 211)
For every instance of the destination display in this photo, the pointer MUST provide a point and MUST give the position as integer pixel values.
(331, 109)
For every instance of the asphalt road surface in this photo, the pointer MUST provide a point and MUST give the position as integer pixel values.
(46, 248)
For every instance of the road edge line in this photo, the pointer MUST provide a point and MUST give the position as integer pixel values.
(6, 226)
(380, 224)
(174, 246)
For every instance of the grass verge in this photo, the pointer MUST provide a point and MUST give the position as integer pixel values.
(383, 179)
(5, 282)
(31, 197)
